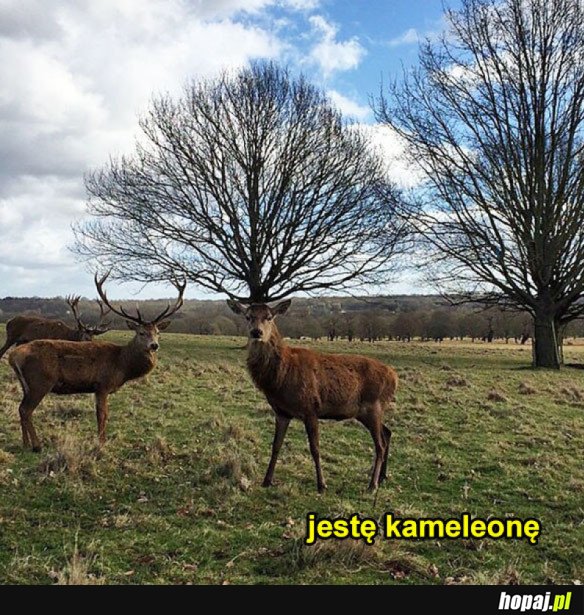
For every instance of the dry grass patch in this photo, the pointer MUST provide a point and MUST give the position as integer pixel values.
(72, 456)
(160, 450)
(234, 466)
(77, 570)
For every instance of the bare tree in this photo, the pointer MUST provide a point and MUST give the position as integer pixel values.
(251, 184)
(494, 117)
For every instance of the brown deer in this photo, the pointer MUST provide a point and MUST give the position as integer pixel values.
(307, 385)
(23, 329)
(65, 368)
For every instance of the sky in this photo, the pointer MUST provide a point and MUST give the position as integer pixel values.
(75, 75)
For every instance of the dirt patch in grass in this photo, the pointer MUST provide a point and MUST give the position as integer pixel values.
(494, 395)
(457, 381)
(572, 394)
(526, 389)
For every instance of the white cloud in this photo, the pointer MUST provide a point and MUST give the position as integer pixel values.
(302, 5)
(349, 107)
(332, 55)
(393, 149)
(73, 78)
(409, 37)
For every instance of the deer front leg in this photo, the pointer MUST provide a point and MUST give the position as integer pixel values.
(282, 423)
(102, 411)
(311, 424)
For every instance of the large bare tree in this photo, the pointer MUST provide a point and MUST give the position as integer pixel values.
(251, 184)
(494, 116)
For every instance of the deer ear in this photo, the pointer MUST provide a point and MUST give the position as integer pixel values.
(163, 325)
(235, 306)
(132, 325)
(282, 307)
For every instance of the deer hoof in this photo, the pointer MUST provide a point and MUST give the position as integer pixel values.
(267, 483)
(37, 449)
(321, 488)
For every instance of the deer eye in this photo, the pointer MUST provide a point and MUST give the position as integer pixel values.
(268, 318)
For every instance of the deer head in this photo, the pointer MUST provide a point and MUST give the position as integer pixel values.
(147, 331)
(260, 317)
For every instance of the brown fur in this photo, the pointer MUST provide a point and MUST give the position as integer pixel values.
(307, 385)
(65, 368)
(62, 367)
(23, 329)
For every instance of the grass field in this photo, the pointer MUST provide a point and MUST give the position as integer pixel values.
(175, 495)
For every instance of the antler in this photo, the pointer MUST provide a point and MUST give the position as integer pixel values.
(120, 311)
(168, 311)
(101, 323)
(73, 303)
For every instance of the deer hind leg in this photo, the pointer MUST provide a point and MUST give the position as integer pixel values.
(282, 423)
(386, 438)
(29, 436)
(371, 419)
(311, 424)
(32, 397)
(102, 413)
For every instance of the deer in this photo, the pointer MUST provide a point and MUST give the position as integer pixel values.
(65, 368)
(23, 329)
(304, 384)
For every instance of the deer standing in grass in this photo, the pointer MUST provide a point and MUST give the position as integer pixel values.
(23, 329)
(65, 368)
(307, 385)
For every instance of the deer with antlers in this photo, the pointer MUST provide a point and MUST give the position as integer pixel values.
(24, 329)
(307, 385)
(65, 368)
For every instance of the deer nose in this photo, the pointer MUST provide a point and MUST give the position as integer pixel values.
(154, 346)
(255, 333)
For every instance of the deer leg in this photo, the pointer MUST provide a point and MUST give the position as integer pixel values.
(27, 406)
(23, 426)
(386, 438)
(311, 424)
(282, 423)
(30, 400)
(372, 421)
(102, 412)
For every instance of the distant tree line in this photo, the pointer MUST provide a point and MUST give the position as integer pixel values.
(404, 318)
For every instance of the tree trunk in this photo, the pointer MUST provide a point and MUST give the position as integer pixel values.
(546, 342)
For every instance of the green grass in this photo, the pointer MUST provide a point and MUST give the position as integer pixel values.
(175, 495)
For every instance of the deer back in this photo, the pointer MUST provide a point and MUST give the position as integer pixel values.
(23, 329)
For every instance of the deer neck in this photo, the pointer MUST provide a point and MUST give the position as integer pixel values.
(136, 360)
(265, 360)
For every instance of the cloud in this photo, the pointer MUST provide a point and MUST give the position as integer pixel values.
(73, 78)
(349, 107)
(393, 149)
(332, 55)
(409, 37)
